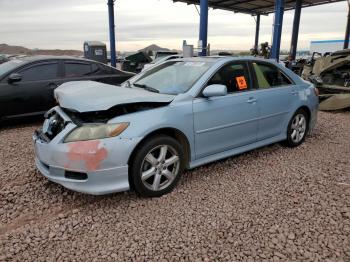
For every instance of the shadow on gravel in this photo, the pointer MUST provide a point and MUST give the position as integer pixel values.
(21, 122)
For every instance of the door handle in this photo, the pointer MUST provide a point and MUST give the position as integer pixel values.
(295, 92)
(251, 100)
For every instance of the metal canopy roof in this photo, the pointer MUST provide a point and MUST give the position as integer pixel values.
(254, 7)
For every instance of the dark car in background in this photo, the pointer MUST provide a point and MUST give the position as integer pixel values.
(27, 84)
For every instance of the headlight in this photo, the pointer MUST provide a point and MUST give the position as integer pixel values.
(98, 131)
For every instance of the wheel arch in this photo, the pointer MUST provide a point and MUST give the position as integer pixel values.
(307, 110)
(169, 131)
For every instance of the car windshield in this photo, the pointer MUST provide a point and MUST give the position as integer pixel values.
(173, 77)
(9, 66)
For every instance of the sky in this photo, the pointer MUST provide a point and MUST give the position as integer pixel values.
(66, 24)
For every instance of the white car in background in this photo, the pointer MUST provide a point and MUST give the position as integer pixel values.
(160, 60)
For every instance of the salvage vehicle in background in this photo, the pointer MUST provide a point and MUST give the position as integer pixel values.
(160, 60)
(177, 115)
(331, 74)
(3, 59)
(27, 84)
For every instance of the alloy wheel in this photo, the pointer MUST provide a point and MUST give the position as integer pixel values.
(160, 167)
(298, 128)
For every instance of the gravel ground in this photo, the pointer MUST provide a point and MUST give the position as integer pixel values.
(272, 204)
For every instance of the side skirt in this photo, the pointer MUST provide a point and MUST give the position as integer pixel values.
(236, 151)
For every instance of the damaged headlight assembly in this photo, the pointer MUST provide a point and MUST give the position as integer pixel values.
(95, 131)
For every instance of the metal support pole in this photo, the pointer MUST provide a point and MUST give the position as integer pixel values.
(112, 32)
(277, 29)
(347, 32)
(203, 26)
(295, 33)
(257, 31)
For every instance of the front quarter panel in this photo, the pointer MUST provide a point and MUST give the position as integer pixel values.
(177, 115)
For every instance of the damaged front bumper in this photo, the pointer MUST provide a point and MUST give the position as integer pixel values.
(95, 167)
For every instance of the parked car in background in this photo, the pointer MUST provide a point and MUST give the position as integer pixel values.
(27, 84)
(3, 59)
(161, 54)
(180, 114)
(160, 60)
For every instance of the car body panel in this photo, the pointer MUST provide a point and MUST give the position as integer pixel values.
(275, 104)
(227, 122)
(214, 128)
(81, 96)
(167, 117)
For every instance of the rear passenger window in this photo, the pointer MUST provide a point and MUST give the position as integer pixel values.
(40, 72)
(106, 70)
(234, 76)
(99, 69)
(269, 76)
(77, 69)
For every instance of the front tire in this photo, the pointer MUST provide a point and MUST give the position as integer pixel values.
(298, 128)
(157, 166)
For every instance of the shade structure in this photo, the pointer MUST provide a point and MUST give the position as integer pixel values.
(255, 7)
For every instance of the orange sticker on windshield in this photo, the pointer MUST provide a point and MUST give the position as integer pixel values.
(241, 82)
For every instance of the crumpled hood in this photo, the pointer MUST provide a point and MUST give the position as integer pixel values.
(88, 96)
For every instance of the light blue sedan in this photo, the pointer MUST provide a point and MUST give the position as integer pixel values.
(178, 115)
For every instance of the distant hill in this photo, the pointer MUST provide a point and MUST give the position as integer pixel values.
(153, 48)
(9, 49)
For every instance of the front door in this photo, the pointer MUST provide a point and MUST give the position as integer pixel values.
(226, 122)
(33, 93)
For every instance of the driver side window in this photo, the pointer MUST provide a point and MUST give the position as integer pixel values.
(235, 76)
(39, 72)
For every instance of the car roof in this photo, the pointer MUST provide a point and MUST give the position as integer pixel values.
(36, 58)
(217, 59)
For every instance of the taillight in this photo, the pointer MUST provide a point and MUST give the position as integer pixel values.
(317, 92)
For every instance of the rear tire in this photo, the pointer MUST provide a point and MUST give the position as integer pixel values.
(298, 128)
(157, 166)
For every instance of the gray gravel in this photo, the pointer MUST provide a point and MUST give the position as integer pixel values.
(272, 204)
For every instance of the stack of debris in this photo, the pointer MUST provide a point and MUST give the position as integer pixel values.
(331, 74)
(134, 63)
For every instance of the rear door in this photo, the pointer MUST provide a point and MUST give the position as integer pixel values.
(226, 122)
(277, 95)
(34, 92)
(77, 70)
(109, 75)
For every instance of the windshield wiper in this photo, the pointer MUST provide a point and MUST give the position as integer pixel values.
(148, 88)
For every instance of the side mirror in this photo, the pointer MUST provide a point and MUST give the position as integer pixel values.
(14, 78)
(215, 90)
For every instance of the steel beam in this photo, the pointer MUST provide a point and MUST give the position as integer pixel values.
(277, 29)
(295, 32)
(112, 32)
(347, 32)
(257, 31)
(203, 26)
